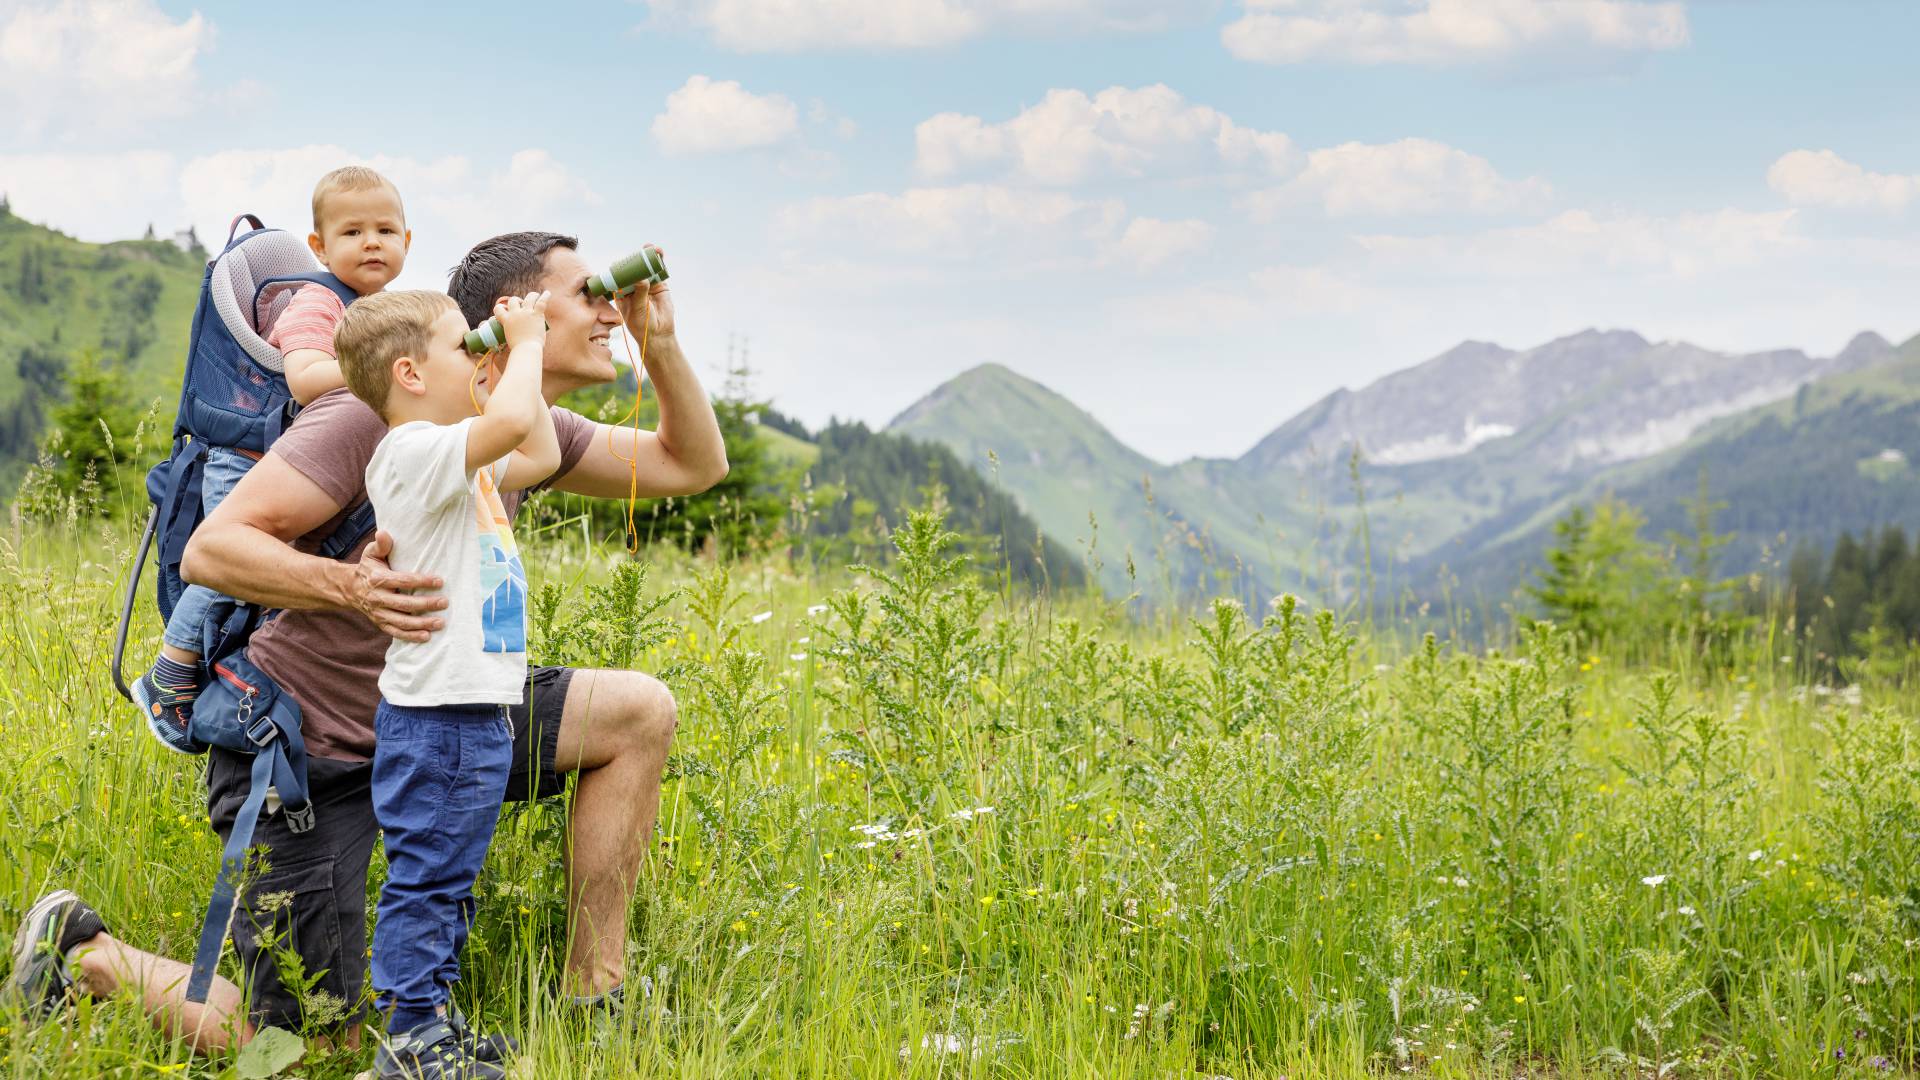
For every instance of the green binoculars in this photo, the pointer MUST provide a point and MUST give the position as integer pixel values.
(644, 267)
(489, 336)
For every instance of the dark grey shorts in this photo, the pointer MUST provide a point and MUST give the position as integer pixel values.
(313, 895)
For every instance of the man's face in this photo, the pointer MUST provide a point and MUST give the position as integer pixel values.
(363, 237)
(577, 353)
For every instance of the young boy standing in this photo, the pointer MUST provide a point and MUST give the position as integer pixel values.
(442, 746)
(360, 234)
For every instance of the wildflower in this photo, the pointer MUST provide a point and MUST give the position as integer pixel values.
(1653, 881)
(1685, 910)
(762, 617)
(1756, 855)
(969, 815)
(739, 926)
(987, 900)
(817, 609)
(797, 656)
(1519, 999)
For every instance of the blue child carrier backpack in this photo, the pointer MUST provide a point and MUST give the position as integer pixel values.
(231, 397)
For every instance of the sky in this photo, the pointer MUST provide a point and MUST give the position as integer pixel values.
(1194, 218)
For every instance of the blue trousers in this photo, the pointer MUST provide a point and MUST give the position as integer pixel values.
(224, 469)
(439, 775)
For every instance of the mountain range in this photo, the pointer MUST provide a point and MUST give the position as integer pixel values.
(1454, 470)
(1449, 473)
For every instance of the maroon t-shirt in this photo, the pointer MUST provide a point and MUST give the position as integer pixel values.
(330, 661)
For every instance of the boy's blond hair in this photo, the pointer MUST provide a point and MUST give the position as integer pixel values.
(379, 329)
(350, 178)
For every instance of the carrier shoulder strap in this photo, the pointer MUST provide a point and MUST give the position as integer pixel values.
(313, 277)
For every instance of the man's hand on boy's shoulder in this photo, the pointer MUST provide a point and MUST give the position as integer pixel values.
(523, 317)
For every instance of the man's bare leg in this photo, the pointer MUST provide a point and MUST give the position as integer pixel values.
(615, 730)
(104, 965)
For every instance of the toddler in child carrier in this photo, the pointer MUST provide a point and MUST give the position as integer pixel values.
(262, 345)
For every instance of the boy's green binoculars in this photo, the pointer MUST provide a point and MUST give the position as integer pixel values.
(489, 336)
(644, 267)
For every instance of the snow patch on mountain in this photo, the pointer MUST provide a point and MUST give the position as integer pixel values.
(1435, 447)
(1664, 432)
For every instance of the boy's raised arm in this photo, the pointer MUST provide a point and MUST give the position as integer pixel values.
(514, 405)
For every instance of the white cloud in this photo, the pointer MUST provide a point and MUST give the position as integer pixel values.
(1069, 138)
(797, 25)
(1443, 32)
(76, 67)
(1582, 243)
(1149, 243)
(708, 117)
(1011, 227)
(1824, 178)
(90, 191)
(1411, 176)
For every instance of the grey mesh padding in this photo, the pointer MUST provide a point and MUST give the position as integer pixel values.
(237, 277)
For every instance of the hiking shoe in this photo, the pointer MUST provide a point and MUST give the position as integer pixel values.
(167, 710)
(431, 1052)
(492, 1048)
(55, 924)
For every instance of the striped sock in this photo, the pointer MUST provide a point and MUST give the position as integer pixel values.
(175, 675)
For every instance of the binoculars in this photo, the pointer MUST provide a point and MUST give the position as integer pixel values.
(490, 335)
(644, 267)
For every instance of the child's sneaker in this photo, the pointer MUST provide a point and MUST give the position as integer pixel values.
(432, 1052)
(167, 710)
(495, 1047)
(55, 924)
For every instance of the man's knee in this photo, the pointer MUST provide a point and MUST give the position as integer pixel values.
(630, 706)
(656, 715)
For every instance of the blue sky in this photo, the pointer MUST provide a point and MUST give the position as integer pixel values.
(1194, 218)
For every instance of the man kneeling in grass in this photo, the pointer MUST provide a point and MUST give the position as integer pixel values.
(327, 648)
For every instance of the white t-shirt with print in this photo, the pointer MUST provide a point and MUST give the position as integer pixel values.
(449, 522)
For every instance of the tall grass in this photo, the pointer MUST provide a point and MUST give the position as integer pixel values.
(917, 828)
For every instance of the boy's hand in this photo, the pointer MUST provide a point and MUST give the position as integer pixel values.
(524, 317)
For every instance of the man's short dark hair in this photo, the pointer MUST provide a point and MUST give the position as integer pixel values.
(507, 265)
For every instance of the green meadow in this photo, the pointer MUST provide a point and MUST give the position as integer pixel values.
(920, 822)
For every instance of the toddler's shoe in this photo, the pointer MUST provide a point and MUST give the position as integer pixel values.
(167, 709)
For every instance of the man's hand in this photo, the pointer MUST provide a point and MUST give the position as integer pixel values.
(384, 595)
(633, 311)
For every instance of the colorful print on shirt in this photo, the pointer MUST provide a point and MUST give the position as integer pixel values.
(503, 581)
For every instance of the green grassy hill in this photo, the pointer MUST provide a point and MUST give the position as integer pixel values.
(1190, 528)
(129, 303)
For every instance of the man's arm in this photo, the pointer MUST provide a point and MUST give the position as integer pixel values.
(245, 549)
(685, 455)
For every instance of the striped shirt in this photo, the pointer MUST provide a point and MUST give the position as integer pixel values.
(308, 322)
